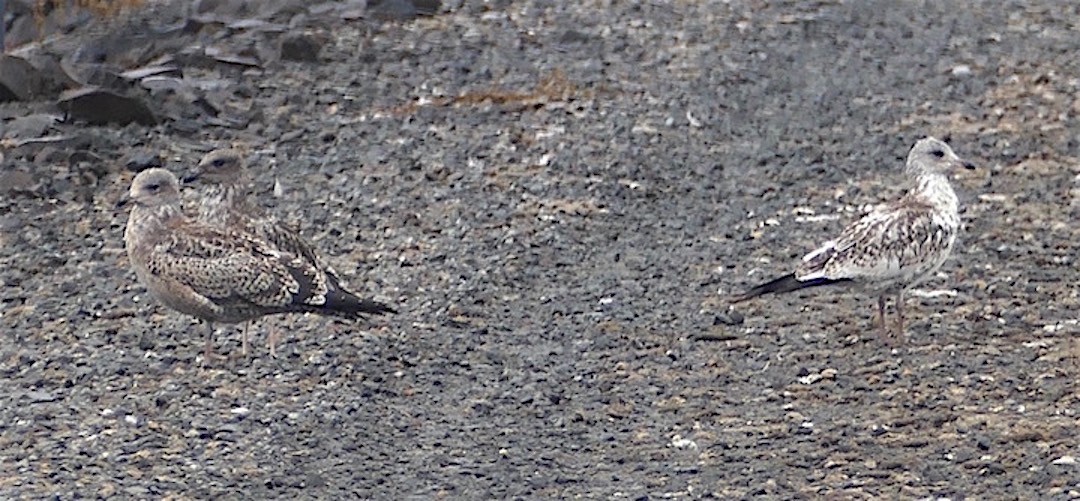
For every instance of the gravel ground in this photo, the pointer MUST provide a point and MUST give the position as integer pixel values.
(557, 198)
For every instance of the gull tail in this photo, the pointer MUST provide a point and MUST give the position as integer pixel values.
(786, 283)
(337, 301)
(344, 304)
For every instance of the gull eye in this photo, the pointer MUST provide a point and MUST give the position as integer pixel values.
(153, 187)
(218, 162)
(938, 153)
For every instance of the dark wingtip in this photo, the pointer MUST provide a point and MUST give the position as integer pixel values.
(786, 283)
(375, 308)
(347, 304)
(782, 284)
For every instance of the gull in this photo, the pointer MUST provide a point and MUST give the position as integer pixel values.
(220, 275)
(225, 202)
(894, 247)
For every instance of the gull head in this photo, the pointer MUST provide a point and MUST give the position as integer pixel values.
(224, 166)
(933, 156)
(154, 188)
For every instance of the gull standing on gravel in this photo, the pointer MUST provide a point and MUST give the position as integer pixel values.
(221, 275)
(224, 203)
(893, 248)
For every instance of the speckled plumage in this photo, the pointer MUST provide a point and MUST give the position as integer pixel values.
(217, 274)
(894, 247)
(224, 202)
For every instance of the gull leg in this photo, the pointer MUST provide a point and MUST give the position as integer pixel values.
(881, 315)
(900, 311)
(244, 339)
(271, 340)
(208, 350)
(275, 334)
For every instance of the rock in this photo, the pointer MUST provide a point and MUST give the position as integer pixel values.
(404, 10)
(729, 318)
(16, 181)
(1064, 460)
(28, 126)
(39, 396)
(141, 160)
(54, 78)
(19, 80)
(427, 7)
(151, 71)
(300, 47)
(23, 30)
(157, 84)
(224, 55)
(97, 75)
(99, 106)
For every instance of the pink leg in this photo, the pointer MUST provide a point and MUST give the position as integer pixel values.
(208, 350)
(271, 340)
(900, 311)
(881, 316)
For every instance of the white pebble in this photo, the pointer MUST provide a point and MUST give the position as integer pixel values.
(682, 443)
(1066, 460)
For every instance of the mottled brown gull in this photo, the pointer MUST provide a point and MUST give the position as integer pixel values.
(224, 201)
(894, 247)
(219, 275)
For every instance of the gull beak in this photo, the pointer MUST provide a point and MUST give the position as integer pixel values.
(190, 178)
(124, 201)
(967, 165)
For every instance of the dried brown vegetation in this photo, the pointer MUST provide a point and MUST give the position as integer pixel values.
(100, 8)
(552, 87)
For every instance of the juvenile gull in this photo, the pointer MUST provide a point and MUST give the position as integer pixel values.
(224, 203)
(894, 247)
(216, 274)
